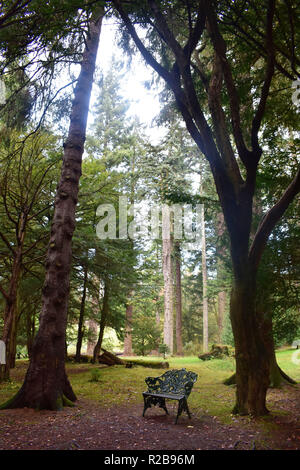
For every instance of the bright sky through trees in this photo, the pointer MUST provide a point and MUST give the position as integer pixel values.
(144, 102)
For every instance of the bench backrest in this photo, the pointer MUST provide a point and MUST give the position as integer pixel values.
(173, 381)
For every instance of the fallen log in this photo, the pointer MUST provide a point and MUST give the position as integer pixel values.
(109, 358)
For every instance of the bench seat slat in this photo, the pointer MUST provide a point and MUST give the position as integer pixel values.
(172, 396)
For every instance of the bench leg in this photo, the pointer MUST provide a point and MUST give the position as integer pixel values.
(182, 406)
(147, 404)
(162, 404)
(148, 401)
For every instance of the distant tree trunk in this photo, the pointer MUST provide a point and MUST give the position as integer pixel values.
(221, 314)
(204, 273)
(128, 329)
(178, 301)
(129, 306)
(167, 247)
(30, 331)
(46, 385)
(81, 317)
(103, 320)
(93, 330)
(10, 310)
(93, 322)
(220, 276)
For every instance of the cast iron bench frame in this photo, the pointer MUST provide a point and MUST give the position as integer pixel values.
(174, 384)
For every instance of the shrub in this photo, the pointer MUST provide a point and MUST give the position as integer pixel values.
(95, 375)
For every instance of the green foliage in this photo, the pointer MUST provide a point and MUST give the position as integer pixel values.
(95, 375)
(163, 349)
(145, 335)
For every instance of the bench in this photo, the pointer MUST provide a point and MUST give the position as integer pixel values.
(174, 385)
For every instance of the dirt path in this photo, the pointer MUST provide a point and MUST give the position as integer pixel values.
(86, 427)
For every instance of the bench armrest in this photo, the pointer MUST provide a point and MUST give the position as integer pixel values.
(188, 387)
(153, 383)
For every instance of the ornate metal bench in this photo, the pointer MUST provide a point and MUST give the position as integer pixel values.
(173, 385)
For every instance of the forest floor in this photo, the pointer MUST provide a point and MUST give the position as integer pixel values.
(90, 427)
(99, 425)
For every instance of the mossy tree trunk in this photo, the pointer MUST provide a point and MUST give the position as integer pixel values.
(46, 385)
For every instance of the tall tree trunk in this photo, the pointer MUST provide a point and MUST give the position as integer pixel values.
(167, 248)
(46, 385)
(221, 314)
(252, 361)
(204, 273)
(128, 328)
(80, 332)
(93, 322)
(103, 320)
(221, 302)
(178, 299)
(30, 331)
(92, 335)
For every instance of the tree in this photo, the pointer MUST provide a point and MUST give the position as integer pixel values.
(46, 385)
(27, 173)
(230, 139)
(145, 335)
(178, 299)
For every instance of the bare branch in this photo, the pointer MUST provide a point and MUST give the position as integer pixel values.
(220, 48)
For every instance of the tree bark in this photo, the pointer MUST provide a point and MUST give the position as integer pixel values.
(252, 363)
(46, 385)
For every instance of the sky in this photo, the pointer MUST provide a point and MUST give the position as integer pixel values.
(144, 102)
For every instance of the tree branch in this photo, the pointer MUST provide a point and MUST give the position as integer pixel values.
(220, 48)
(219, 121)
(256, 123)
(3, 292)
(7, 243)
(270, 220)
(15, 9)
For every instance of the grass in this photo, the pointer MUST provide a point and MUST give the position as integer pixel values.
(119, 386)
